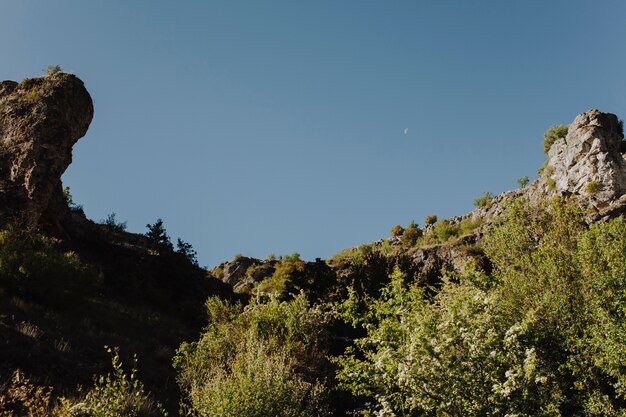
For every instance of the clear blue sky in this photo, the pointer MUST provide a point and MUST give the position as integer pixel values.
(260, 127)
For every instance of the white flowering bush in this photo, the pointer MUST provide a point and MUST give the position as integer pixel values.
(544, 334)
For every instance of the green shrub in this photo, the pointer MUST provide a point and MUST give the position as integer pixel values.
(542, 334)
(113, 395)
(444, 231)
(484, 200)
(593, 187)
(411, 235)
(430, 219)
(261, 360)
(552, 135)
(523, 181)
(397, 230)
(36, 265)
(467, 226)
(551, 183)
(285, 268)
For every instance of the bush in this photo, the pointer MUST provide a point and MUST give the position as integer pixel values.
(552, 135)
(542, 334)
(36, 265)
(285, 269)
(411, 235)
(397, 230)
(593, 187)
(20, 397)
(261, 360)
(430, 219)
(444, 231)
(523, 181)
(484, 200)
(116, 394)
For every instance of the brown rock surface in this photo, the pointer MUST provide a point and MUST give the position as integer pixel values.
(40, 121)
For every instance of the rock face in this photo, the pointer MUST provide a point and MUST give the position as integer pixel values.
(242, 272)
(588, 161)
(40, 121)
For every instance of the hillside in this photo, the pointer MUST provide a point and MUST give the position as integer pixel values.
(513, 309)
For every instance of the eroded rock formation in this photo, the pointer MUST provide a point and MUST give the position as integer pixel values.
(40, 121)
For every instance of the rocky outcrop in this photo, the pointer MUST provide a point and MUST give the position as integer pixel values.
(40, 121)
(243, 272)
(588, 162)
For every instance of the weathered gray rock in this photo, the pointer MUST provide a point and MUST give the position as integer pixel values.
(588, 161)
(40, 121)
(243, 272)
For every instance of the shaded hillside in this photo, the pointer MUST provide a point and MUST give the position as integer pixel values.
(69, 286)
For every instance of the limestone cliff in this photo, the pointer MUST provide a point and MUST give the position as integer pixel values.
(40, 121)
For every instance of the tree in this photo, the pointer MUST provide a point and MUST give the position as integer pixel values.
(158, 237)
(187, 251)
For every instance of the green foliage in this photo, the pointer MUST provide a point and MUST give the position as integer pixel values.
(552, 135)
(523, 181)
(256, 361)
(397, 230)
(411, 235)
(158, 237)
(543, 334)
(551, 183)
(285, 269)
(484, 200)
(113, 395)
(430, 219)
(593, 187)
(35, 264)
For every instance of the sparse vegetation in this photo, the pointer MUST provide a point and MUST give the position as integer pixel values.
(523, 181)
(552, 135)
(397, 231)
(430, 219)
(593, 187)
(551, 183)
(484, 200)
(411, 235)
(112, 224)
(53, 69)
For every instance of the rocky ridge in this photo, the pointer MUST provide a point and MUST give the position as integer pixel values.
(587, 165)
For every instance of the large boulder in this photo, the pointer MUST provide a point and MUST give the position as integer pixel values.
(40, 121)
